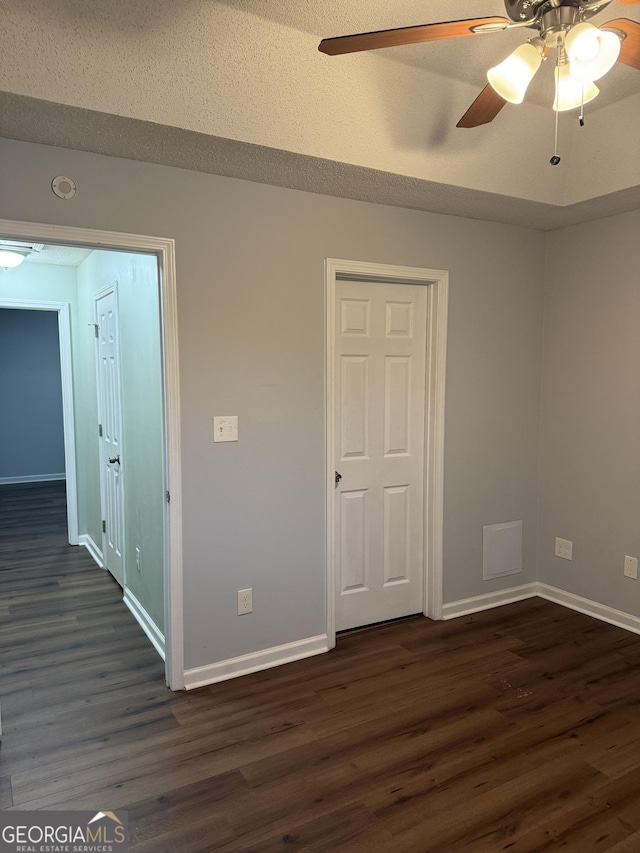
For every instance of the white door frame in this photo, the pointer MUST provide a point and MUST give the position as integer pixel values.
(437, 282)
(164, 249)
(68, 420)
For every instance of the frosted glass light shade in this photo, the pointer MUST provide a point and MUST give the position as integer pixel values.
(511, 78)
(592, 52)
(10, 259)
(571, 93)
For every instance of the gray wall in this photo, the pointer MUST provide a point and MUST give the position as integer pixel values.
(31, 425)
(250, 264)
(590, 444)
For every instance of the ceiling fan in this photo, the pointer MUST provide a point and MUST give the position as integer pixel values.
(585, 52)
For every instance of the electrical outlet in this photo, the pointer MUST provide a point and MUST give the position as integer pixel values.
(138, 560)
(631, 567)
(564, 549)
(245, 601)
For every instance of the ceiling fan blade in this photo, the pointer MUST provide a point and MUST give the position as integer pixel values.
(630, 47)
(484, 109)
(409, 35)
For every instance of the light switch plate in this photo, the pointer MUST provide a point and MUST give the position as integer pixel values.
(225, 428)
(631, 567)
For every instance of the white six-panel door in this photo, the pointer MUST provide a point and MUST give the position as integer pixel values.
(110, 415)
(380, 332)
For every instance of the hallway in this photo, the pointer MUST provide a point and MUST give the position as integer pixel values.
(77, 671)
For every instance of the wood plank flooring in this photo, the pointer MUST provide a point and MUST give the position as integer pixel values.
(516, 729)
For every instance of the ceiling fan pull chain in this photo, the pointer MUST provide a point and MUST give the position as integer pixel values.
(556, 159)
(582, 108)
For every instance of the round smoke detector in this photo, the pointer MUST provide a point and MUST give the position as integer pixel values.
(64, 187)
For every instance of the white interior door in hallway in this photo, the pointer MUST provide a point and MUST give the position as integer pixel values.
(110, 432)
(380, 334)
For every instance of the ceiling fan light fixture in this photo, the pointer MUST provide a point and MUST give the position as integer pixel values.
(591, 52)
(9, 259)
(511, 77)
(571, 93)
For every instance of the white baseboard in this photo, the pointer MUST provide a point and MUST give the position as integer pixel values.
(145, 621)
(550, 593)
(32, 478)
(255, 661)
(87, 542)
(489, 600)
(591, 608)
(140, 614)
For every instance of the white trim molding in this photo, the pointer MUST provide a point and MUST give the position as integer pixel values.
(255, 661)
(145, 621)
(590, 608)
(488, 600)
(32, 478)
(173, 574)
(437, 282)
(436, 368)
(542, 590)
(164, 249)
(85, 541)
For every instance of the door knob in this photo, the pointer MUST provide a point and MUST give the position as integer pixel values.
(113, 459)
(338, 477)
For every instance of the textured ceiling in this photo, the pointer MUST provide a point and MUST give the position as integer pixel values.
(247, 75)
(465, 60)
(65, 256)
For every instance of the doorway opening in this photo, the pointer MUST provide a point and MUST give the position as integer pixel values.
(63, 375)
(385, 381)
(142, 269)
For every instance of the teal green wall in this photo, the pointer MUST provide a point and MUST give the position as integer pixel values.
(142, 440)
(42, 282)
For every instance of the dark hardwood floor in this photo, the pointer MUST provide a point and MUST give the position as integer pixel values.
(516, 729)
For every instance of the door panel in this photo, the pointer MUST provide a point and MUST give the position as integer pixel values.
(354, 405)
(397, 404)
(380, 435)
(396, 535)
(109, 412)
(354, 561)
